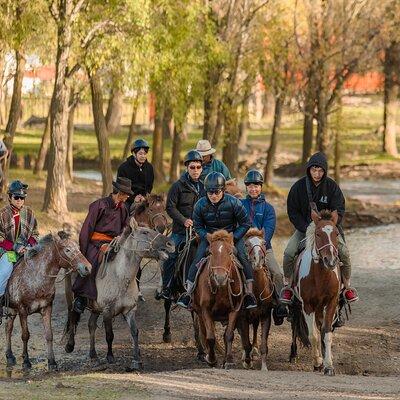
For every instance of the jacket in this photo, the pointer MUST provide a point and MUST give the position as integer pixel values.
(215, 166)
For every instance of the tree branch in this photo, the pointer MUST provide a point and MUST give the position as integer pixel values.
(54, 10)
(97, 28)
(75, 11)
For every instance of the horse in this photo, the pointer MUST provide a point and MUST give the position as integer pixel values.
(317, 290)
(233, 189)
(31, 288)
(218, 295)
(263, 291)
(117, 290)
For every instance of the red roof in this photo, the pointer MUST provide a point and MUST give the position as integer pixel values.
(45, 73)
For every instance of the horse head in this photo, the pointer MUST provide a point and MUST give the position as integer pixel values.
(70, 257)
(221, 251)
(326, 238)
(149, 242)
(233, 189)
(151, 213)
(256, 247)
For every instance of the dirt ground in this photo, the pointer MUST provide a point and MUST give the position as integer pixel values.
(366, 351)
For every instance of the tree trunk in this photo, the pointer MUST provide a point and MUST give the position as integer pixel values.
(100, 128)
(44, 147)
(230, 149)
(70, 151)
(219, 127)
(114, 112)
(158, 144)
(339, 127)
(391, 98)
(308, 127)
(176, 152)
(322, 131)
(269, 166)
(211, 105)
(244, 121)
(167, 123)
(132, 129)
(15, 111)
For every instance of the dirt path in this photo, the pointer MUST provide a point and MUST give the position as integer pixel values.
(366, 351)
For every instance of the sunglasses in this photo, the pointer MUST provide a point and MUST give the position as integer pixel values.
(214, 191)
(195, 167)
(18, 198)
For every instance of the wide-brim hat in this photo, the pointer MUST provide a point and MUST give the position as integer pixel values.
(204, 147)
(123, 185)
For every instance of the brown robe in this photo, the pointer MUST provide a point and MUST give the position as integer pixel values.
(103, 217)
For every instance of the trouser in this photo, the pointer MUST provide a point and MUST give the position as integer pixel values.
(241, 255)
(291, 251)
(6, 268)
(169, 264)
(276, 273)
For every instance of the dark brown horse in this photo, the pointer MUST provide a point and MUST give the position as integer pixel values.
(218, 295)
(151, 213)
(31, 288)
(317, 288)
(263, 291)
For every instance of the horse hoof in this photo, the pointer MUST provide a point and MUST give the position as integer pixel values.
(52, 366)
(110, 359)
(93, 356)
(69, 347)
(264, 368)
(255, 352)
(26, 365)
(329, 372)
(135, 366)
(201, 357)
(228, 365)
(294, 359)
(319, 368)
(210, 363)
(11, 361)
(248, 365)
(166, 338)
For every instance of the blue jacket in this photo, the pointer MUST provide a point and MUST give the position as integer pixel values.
(228, 214)
(262, 216)
(215, 166)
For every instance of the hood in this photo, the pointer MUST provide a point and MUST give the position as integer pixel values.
(318, 159)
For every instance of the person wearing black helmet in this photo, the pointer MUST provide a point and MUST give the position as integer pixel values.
(138, 170)
(219, 210)
(181, 199)
(262, 216)
(315, 191)
(18, 231)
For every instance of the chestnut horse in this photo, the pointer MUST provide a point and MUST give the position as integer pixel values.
(317, 287)
(218, 295)
(31, 288)
(263, 291)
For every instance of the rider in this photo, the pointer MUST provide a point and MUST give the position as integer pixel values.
(262, 216)
(210, 163)
(18, 231)
(181, 199)
(219, 210)
(106, 220)
(138, 170)
(314, 191)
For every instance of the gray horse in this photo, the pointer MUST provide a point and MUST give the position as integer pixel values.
(117, 290)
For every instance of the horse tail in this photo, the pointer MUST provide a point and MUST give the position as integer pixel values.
(299, 325)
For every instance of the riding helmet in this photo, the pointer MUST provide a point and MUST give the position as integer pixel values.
(253, 176)
(139, 144)
(17, 188)
(214, 181)
(193, 155)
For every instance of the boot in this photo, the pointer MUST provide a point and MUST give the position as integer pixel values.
(349, 293)
(286, 295)
(185, 299)
(80, 304)
(165, 293)
(249, 300)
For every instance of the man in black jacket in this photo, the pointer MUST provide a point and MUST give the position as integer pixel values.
(315, 190)
(181, 199)
(138, 170)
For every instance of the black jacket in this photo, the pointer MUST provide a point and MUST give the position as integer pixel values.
(327, 195)
(142, 177)
(228, 214)
(182, 197)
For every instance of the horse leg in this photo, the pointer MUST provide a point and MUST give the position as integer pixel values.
(196, 327)
(48, 332)
(327, 337)
(293, 347)
(244, 332)
(9, 329)
(167, 329)
(109, 338)
(314, 339)
(23, 318)
(136, 363)
(72, 324)
(254, 351)
(209, 330)
(92, 324)
(228, 337)
(265, 327)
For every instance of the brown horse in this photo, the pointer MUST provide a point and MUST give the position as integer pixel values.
(219, 294)
(263, 291)
(31, 288)
(317, 288)
(151, 213)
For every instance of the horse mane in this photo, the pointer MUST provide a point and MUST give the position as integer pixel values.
(326, 215)
(155, 198)
(310, 235)
(45, 240)
(220, 235)
(254, 232)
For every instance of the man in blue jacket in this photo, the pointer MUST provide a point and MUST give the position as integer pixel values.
(262, 216)
(219, 210)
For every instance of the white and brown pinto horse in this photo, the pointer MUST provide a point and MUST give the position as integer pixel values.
(317, 288)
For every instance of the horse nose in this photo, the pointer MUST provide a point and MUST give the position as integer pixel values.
(171, 245)
(160, 228)
(221, 280)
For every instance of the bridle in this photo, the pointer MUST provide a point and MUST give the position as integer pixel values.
(264, 253)
(317, 250)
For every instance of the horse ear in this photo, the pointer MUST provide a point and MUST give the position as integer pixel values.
(208, 237)
(231, 238)
(315, 216)
(63, 235)
(335, 217)
(133, 223)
